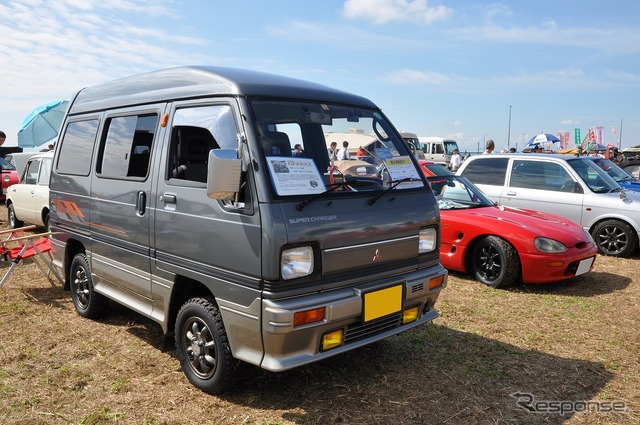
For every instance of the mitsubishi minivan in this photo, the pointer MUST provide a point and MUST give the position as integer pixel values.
(175, 193)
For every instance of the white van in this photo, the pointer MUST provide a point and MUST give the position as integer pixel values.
(438, 149)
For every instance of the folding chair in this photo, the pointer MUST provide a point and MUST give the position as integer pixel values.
(36, 246)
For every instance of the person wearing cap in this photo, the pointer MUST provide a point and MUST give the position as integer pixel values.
(490, 146)
(537, 149)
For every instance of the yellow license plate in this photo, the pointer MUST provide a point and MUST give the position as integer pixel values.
(383, 302)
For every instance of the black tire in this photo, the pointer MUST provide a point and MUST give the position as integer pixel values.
(87, 302)
(13, 220)
(615, 238)
(495, 262)
(203, 348)
(46, 222)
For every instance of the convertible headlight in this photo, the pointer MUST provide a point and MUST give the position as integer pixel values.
(296, 262)
(428, 240)
(549, 245)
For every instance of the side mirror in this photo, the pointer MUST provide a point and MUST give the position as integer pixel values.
(223, 174)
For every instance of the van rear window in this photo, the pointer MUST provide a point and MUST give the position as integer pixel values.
(487, 171)
(76, 148)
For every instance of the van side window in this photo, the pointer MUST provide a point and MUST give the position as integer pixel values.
(194, 132)
(127, 147)
(541, 176)
(437, 148)
(487, 171)
(76, 148)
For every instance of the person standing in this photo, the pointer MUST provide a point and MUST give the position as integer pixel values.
(333, 151)
(456, 160)
(343, 154)
(297, 151)
(490, 146)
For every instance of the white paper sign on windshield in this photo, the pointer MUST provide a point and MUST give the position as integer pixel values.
(295, 176)
(400, 168)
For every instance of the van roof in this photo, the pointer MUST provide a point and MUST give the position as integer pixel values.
(199, 81)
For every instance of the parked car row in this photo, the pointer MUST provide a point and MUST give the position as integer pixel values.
(575, 188)
(501, 245)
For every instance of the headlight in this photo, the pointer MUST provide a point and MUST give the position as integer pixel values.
(428, 240)
(549, 245)
(296, 262)
(589, 237)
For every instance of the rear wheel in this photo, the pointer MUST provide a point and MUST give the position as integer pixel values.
(615, 238)
(13, 220)
(87, 302)
(203, 348)
(495, 262)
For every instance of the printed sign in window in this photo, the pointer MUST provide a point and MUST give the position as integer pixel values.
(295, 176)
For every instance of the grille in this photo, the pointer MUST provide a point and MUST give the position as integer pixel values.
(358, 331)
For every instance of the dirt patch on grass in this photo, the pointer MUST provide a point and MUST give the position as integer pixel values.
(575, 342)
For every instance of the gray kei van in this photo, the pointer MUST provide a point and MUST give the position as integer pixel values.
(177, 194)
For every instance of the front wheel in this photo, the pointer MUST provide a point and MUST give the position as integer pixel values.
(615, 238)
(203, 348)
(495, 262)
(86, 300)
(13, 220)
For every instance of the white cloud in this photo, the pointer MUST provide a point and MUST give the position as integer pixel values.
(570, 122)
(385, 11)
(414, 77)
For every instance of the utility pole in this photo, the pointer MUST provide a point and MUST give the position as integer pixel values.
(620, 138)
(509, 135)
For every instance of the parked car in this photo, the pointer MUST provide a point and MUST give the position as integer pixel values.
(568, 186)
(9, 177)
(28, 200)
(501, 245)
(621, 177)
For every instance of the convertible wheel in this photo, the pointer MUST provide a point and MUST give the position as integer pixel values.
(495, 262)
(87, 302)
(203, 348)
(615, 238)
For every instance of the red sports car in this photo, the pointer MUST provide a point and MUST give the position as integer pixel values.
(501, 245)
(9, 177)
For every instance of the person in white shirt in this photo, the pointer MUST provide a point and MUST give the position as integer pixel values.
(456, 160)
(343, 153)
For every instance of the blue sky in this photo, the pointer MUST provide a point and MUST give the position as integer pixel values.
(448, 68)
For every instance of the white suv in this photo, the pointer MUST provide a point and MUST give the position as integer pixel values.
(568, 186)
(28, 201)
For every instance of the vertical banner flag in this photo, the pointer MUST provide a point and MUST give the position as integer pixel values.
(576, 137)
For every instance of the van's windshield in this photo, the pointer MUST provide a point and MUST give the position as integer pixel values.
(313, 147)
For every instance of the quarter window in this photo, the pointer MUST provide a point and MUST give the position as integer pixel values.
(490, 171)
(76, 149)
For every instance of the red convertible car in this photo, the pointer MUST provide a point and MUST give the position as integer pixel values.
(502, 245)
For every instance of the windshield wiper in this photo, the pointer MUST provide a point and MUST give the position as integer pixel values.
(306, 202)
(393, 185)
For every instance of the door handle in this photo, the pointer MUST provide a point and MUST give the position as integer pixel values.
(141, 203)
(511, 193)
(169, 198)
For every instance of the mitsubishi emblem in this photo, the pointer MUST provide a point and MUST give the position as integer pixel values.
(377, 256)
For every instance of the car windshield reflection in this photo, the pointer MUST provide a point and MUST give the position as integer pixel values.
(455, 192)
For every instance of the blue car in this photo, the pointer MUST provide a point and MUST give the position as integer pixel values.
(624, 179)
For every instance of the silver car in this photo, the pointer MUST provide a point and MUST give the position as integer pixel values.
(569, 186)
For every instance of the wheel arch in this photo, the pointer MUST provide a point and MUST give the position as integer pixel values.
(471, 248)
(184, 289)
